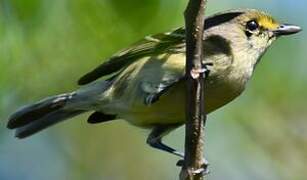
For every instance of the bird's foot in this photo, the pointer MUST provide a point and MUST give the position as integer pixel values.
(203, 170)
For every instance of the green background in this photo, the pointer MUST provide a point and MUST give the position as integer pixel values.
(46, 45)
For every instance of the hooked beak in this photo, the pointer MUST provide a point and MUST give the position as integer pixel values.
(286, 29)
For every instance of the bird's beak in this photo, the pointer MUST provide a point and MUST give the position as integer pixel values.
(286, 29)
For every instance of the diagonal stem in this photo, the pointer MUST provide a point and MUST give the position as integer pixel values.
(195, 109)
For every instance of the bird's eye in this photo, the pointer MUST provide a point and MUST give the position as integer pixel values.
(252, 25)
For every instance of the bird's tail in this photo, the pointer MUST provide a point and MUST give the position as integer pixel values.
(38, 116)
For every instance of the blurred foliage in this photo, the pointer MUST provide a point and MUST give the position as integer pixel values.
(46, 45)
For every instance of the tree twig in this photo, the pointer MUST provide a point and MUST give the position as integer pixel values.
(195, 111)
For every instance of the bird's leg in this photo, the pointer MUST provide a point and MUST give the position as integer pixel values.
(155, 139)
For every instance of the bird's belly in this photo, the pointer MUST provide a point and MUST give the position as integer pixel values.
(170, 108)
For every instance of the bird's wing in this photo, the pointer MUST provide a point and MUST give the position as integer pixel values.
(149, 46)
(155, 91)
(152, 45)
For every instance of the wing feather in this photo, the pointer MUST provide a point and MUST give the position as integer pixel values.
(153, 45)
(149, 46)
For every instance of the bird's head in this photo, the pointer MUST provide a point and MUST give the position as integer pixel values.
(248, 29)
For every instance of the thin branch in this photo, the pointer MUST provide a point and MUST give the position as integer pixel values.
(195, 109)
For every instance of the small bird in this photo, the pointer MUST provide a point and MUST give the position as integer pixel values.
(145, 83)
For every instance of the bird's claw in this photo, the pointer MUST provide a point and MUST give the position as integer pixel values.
(201, 171)
(206, 69)
(204, 170)
(180, 163)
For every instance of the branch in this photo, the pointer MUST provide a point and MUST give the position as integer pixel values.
(195, 111)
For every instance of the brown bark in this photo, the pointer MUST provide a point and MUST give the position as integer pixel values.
(195, 111)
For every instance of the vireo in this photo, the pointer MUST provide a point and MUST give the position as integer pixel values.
(145, 84)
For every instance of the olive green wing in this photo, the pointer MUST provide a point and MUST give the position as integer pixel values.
(152, 45)
(149, 46)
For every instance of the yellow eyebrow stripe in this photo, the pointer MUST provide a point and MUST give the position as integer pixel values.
(267, 22)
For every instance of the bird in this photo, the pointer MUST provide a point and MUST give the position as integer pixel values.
(144, 84)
